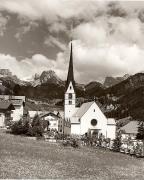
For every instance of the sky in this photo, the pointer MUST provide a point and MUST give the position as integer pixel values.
(108, 37)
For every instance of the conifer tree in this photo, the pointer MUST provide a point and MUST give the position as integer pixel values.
(140, 134)
(117, 143)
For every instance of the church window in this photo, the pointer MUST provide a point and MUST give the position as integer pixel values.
(70, 87)
(93, 122)
(94, 110)
(70, 102)
(70, 95)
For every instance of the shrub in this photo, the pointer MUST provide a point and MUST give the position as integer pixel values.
(117, 144)
(36, 128)
(35, 131)
(140, 134)
(20, 127)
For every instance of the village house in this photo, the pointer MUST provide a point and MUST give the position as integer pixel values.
(56, 122)
(130, 130)
(88, 118)
(18, 102)
(6, 109)
(53, 115)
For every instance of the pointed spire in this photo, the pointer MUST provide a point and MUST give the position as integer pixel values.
(70, 76)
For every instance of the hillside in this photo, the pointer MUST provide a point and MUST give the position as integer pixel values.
(129, 98)
(120, 100)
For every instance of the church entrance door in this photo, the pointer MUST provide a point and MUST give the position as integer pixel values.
(95, 133)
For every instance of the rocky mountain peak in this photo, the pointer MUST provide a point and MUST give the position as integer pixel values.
(36, 76)
(49, 76)
(111, 81)
(5, 72)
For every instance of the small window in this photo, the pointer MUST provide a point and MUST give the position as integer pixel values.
(70, 95)
(70, 102)
(94, 110)
(70, 87)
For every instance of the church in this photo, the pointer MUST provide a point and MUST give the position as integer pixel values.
(88, 118)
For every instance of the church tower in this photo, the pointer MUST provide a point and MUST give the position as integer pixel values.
(70, 96)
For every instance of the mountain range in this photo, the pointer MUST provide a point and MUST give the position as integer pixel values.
(119, 96)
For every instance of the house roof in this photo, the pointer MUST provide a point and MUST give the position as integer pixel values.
(4, 105)
(50, 114)
(111, 121)
(61, 114)
(17, 102)
(75, 120)
(122, 122)
(131, 127)
(83, 109)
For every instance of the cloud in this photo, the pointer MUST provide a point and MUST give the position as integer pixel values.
(35, 9)
(58, 27)
(3, 23)
(25, 28)
(114, 60)
(106, 30)
(108, 38)
(29, 66)
(89, 63)
(52, 41)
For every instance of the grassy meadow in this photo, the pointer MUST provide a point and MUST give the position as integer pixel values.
(22, 158)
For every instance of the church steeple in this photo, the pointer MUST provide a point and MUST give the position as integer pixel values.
(70, 96)
(70, 76)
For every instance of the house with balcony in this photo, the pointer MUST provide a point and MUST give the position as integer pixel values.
(6, 111)
(18, 102)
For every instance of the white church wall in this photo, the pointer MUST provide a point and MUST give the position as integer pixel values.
(94, 112)
(111, 131)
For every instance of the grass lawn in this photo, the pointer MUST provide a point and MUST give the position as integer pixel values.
(24, 158)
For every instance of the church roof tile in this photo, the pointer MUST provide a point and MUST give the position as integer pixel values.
(83, 109)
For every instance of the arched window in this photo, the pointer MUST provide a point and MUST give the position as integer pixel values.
(70, 102)
(70, 95)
